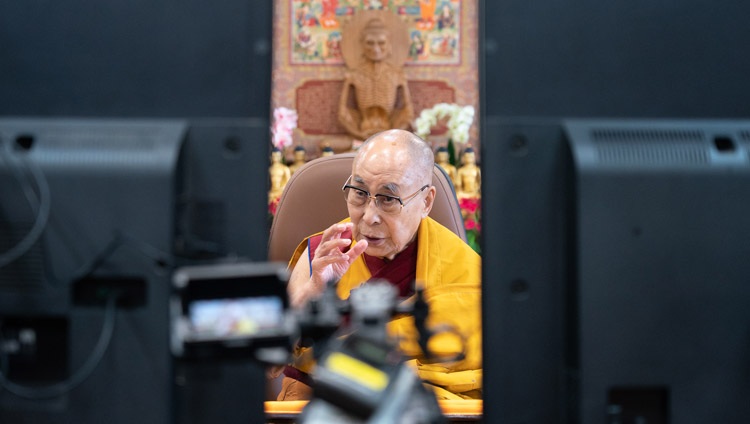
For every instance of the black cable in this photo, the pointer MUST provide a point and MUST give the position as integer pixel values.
(63, 387)
(43, 209)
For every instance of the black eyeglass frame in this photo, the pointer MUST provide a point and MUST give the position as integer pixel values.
(403, 202)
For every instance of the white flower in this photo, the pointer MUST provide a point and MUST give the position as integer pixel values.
(459, 121)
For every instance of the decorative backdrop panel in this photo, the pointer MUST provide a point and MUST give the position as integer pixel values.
(434, 29)
(308, 69)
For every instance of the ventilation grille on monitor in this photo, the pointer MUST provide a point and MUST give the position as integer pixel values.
(99, 146)
(115, 138)
(650, 146)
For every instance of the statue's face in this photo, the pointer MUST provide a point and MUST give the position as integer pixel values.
(376, 45)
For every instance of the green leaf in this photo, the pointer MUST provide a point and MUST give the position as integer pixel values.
(472, 239)
(452, 153)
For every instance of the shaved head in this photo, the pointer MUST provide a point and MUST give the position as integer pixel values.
(405, 146)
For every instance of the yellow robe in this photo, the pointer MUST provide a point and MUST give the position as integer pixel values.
(450, 272)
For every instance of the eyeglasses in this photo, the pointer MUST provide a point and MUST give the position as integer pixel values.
(358, 197)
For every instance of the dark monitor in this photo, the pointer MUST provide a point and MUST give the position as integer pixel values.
(91, 208)
(138, 58)
(620, 58)
(615, 271)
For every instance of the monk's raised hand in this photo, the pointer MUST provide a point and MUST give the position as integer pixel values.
(334, 255)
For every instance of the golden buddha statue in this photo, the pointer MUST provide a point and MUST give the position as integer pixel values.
(279, 174)
(327, 151)
(441, 158)
(299, 159)
(469, 175)
(375, 96)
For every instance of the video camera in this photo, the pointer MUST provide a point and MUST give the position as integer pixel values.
(241, 311)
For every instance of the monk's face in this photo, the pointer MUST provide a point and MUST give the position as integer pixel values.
(376, 45)
(385, 168)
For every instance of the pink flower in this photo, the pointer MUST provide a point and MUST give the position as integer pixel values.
(285, 121)
(469, 204)
(471, 224)
(272, 206)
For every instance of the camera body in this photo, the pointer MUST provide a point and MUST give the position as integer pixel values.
(231, 310)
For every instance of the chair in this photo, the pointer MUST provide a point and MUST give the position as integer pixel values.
(312, 200)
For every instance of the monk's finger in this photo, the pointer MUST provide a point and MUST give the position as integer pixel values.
(335, 231)
(357, 250)
(334, 246)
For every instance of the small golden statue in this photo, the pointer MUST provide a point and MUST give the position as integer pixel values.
(469, 176)
(279, 174)
(441, 158)
(375, 96)
(327, 151)
(299, 159)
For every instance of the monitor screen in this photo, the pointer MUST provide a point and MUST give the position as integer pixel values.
(235, 318)
(614, 278)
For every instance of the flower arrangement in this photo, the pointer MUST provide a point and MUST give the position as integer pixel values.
(284, 123)
(471, 212)
(459, 121)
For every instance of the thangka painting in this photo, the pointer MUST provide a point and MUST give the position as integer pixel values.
(434, 29)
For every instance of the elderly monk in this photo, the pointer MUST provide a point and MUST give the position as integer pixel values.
(389, 235)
